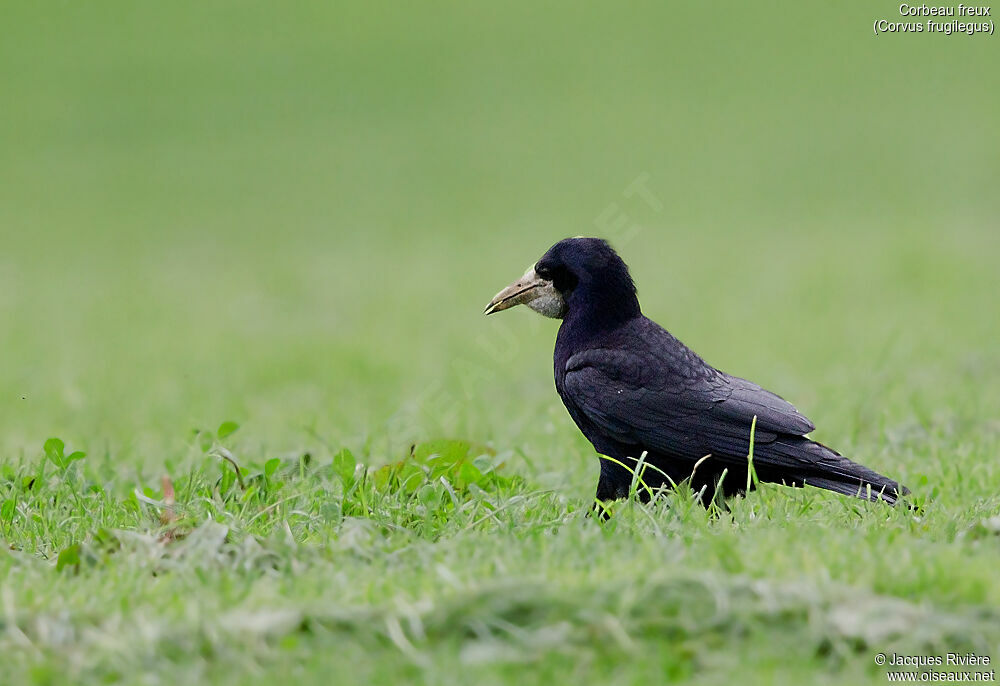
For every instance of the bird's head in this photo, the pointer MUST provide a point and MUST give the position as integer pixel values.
(574, 275)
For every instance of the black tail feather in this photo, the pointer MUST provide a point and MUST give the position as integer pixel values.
(825, 468)
(889, 491)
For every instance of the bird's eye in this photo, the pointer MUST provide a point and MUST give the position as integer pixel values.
(544, 272)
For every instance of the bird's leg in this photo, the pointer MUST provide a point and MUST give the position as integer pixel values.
(601, 510)
(613, 484)
(615, 481)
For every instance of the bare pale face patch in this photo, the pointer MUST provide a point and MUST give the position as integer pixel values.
(532, 290)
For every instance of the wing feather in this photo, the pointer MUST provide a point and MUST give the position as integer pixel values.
(688, 412)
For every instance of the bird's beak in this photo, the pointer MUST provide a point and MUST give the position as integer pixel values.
(532, 290)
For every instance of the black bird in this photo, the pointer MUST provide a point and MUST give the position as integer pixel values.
(635, 390)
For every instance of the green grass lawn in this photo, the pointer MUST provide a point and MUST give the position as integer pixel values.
(291, 218)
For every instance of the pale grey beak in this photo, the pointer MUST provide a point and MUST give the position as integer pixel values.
(532, 290)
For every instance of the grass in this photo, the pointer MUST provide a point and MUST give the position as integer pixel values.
(450, 572)
(288, 222)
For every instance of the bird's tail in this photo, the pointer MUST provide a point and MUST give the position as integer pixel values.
(822, 467)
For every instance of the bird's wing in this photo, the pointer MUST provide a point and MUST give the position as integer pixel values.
(674, 403)
(746, 400)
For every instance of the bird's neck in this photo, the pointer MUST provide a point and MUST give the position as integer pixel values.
(592, 310)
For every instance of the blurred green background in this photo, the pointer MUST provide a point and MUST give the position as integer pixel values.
(292, 215)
